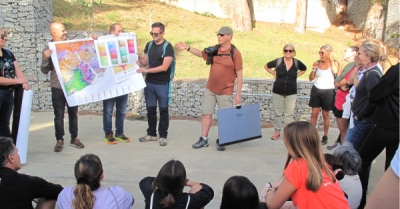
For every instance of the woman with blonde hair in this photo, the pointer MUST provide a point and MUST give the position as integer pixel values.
(284, 92)
(166, 190)
(322, 94)
(88, 193)
(306, 178)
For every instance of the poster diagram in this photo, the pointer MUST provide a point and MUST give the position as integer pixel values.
(120, 53)
(81, 77)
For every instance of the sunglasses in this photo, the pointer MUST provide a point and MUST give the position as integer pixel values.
(2, 36)
(321, 53)
(155, 34)
(222, 35)
(288, 50)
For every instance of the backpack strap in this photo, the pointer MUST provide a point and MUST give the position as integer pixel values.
(8, 52)
(233, 51)
(295, 61)
(148, 50)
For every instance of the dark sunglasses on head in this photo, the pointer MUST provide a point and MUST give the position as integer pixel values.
(155, 34)
(288, 50)
(2, 36)
(321, 53)
(222, 35)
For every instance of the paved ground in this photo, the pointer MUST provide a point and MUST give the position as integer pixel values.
(261, 160)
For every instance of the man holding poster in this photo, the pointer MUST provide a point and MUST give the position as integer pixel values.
(156, 63)
(120, 105)
(59, 33)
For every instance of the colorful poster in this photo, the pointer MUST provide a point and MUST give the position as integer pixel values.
(118, 52)
(81, 77)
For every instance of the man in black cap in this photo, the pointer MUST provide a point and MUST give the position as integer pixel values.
(226, 66)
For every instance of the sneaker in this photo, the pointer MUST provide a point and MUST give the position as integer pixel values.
(109, 139)
(122, 138)
(201, 143)
(76, 143)
(324, 140)
(147, 138)
(163, 141)
(219, 147)
(276, 135)
(59, 146)
(333, 146)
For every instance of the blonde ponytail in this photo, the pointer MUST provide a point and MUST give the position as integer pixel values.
(84, 198)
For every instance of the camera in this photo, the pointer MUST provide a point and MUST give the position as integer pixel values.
(211, 51)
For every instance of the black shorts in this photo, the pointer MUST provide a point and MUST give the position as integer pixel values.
(323, 98)
(337, 113)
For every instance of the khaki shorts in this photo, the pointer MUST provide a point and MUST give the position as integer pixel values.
(210, 99)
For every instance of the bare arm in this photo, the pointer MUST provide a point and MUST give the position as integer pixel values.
(142, 62)
(192, 50)
(386, 192)
(276, 199)
(301, 72)
(194, 186)
(313, 73)
(164, 67)
(270, 71)
(238, 98)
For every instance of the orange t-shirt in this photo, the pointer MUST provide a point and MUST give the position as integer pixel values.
(329, 195)
(223, 71)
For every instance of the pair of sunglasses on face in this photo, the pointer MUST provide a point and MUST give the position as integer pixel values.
(3, 36)
(155, 34)
(288, 50)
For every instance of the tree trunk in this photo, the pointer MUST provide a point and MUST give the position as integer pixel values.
(371, 23)
(301, 16)
(241, 17)
(91, 14)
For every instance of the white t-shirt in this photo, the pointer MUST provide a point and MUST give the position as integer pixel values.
(395, 163)
(324, 79)
(112, 198)
(351, 185)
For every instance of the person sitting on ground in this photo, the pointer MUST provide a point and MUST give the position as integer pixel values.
(166, 190)
(88, 193)
(18, 190)
(335, 164)
(306, 178)
(350, 183)
(239, 193)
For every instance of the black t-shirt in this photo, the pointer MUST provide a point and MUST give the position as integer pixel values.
(18, 190)
(197, 200)
(285, 83)
(7, 69)
(155, 60)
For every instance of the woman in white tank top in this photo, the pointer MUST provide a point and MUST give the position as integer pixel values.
(323, 92)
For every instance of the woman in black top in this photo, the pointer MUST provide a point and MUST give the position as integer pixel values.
(284, 91)
(166, 190)
(10, 75)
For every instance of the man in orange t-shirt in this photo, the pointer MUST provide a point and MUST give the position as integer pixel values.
(225, 68)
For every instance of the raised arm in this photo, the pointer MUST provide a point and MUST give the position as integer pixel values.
(183, 46)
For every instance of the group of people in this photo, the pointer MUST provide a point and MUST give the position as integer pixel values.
(364, 101)
(365, 104)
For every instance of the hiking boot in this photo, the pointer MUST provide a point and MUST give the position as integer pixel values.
(333, 146)
(147, 138)
(324, 140)
(276, 135)
(109, 139)
(122, 138)
(219, 147)
(76, 143)
(59, 146)
(201, 143)
(163, 141)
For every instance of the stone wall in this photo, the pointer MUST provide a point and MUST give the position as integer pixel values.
(392, 24)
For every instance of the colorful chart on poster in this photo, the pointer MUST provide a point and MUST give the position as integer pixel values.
(83, 80)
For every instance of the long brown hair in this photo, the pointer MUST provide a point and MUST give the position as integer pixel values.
(302, 141)
(88, 171)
